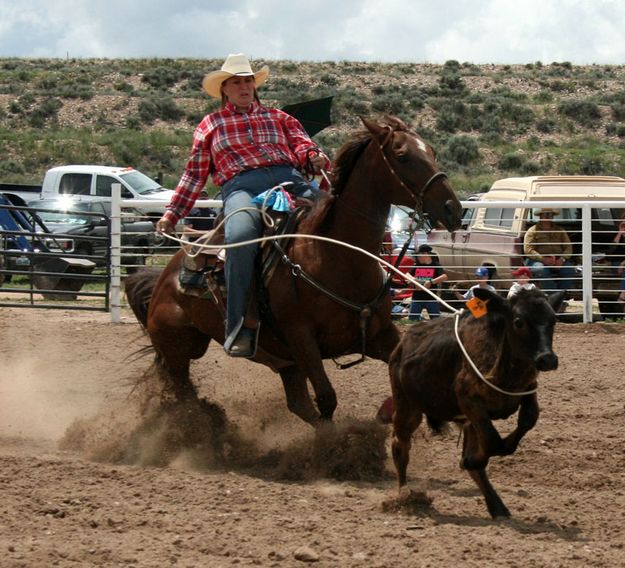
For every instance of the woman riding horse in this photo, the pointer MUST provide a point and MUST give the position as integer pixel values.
(248, 149)
(325, 299)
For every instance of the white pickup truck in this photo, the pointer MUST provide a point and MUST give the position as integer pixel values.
(89, 182)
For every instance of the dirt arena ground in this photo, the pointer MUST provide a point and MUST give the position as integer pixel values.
(279, 498)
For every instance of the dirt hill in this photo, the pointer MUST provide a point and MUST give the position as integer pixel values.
(485, 121)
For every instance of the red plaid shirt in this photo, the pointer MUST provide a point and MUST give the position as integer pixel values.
(227, 143)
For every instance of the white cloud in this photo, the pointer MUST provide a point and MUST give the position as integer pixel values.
(480, 31)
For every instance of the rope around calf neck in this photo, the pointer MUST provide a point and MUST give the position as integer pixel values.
(477, 371)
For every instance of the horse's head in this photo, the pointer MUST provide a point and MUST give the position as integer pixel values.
(413, 177)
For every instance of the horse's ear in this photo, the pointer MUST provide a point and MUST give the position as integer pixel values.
(373, 127)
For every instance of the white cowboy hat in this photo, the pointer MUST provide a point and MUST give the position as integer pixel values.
(235, 64)
(540, 210)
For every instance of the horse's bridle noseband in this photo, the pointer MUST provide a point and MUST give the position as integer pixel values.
(418, 196)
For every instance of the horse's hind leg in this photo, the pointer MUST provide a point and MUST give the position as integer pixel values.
(297, 396)
(174, 354)
(495, 505)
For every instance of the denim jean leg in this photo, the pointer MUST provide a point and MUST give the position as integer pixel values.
(247, 225)
(433, 309)
(542, 275)
(566, 275)
(416, 307)
(242, 226)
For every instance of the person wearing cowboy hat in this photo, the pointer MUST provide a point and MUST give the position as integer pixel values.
(548, 250)
(246, 148)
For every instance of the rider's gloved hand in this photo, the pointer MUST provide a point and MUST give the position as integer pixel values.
(165, 226)
(320, 162)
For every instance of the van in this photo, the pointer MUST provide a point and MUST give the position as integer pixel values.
(494, 236)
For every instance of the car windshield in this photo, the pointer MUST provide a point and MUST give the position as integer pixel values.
(64, 212)
(399, 219)
(141, 183)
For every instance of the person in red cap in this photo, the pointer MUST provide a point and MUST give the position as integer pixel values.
(523, 275)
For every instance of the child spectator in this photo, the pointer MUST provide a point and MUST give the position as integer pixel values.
(428, 272)
(523, 276)
(481, 275)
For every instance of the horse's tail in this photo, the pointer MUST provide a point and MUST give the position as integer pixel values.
(139, 287)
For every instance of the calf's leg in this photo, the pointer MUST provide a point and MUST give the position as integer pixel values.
(405, 422)
(495, 505)
(526, 420)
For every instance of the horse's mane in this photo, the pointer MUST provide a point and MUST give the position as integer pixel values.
(344, 164)
(349, 153)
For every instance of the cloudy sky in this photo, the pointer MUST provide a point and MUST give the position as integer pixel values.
(477, 31)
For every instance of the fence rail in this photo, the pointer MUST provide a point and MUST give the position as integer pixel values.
(586, 305)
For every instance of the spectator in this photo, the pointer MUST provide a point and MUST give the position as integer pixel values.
(481, 275)
(548, 250)
(429, 273)
(400, 289)
(523, 276)
(201, 218)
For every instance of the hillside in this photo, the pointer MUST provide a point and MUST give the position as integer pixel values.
(485, 121)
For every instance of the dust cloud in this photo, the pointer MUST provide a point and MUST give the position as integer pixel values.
(34, 401)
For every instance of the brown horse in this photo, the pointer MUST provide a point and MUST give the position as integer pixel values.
(384, 164)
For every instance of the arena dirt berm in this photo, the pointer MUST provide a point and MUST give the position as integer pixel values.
(90, 477)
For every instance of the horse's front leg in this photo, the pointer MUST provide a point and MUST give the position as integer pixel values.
(526, 420)
(305, 351)
(297, 396)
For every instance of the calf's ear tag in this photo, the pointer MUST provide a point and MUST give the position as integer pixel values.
(478, 307)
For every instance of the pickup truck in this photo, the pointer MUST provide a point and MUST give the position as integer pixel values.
(28, 247)
(95, 182)
(493, 236)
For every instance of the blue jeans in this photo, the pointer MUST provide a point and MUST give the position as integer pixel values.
(432, 307)
(552, 278)
(238, 193)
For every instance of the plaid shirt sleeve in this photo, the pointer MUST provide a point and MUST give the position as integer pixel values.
(194, 178)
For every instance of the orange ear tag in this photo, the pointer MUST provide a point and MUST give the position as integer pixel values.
(477, 307)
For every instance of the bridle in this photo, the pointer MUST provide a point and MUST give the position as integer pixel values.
(418, 196)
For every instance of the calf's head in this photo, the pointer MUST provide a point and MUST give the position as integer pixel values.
(530, 318)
